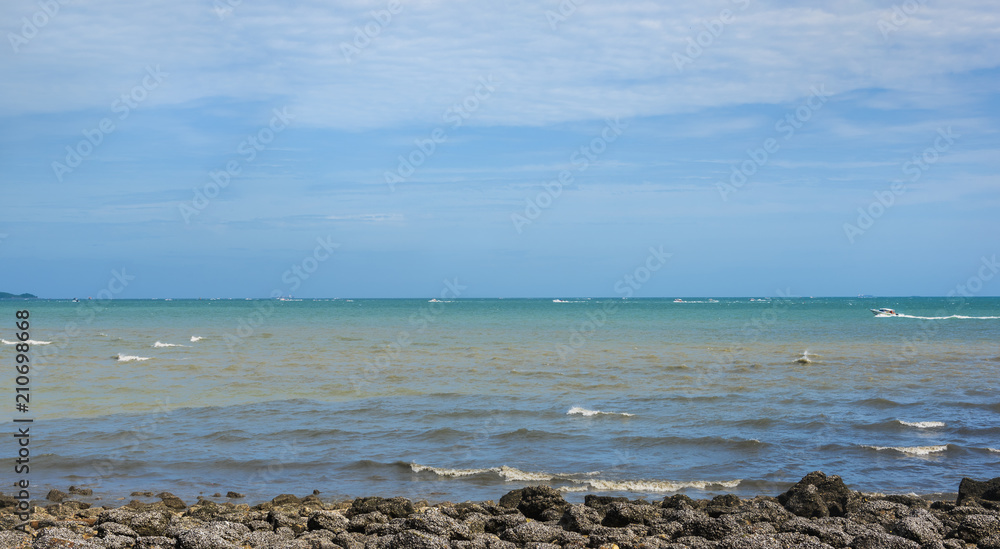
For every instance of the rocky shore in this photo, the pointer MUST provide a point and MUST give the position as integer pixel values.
(817, 512)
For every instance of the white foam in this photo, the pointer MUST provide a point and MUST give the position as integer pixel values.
(579, 411)
(131, 358)
(658, 485)
(994, 450)
(196, 338)
(507, 473)
(581, 482)
(29, 342)
(922, 424)
(911, 450)
(159, 344)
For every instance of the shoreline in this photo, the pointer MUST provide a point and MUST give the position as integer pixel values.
(818, 511)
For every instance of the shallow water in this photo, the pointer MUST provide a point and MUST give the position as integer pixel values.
(471, 398)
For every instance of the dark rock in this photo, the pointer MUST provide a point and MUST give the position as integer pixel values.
(817, 495)
(531, 531)
(156, 542)
(286, 499)
(922, 528)
(497, 524)
(52, 538)
(883, 541)
(623, 537)
(879, 511)
(975, 528)
(106, 528)
(412, 539)
(801, 541)
(534, 501)
(56, 496)
(975, 489)
(203, 539)
(392, 507)
(277, 519)
(359, 523)
(80, 491)
(333, 521)
(172, 501)
(144, 523)
(751, 541)
(580, 518)
(142, 494)
(677, 501)
(693, 542)
(486, 541)
(623, 514)
(235, 495)
(992, 542)
(435, 522)
(601, 502)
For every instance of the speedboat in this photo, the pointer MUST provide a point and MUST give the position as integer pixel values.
(884, 312)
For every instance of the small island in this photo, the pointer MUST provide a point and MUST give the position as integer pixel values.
(5, 295)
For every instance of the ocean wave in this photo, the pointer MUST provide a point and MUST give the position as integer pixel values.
(579, 411)
(921, 424)
(911, 450)
(579, 482)
(994, 450)
(130, 358)
(196, 338)
(504, 472)
(29, 342)
(804, 359)
(161, 344)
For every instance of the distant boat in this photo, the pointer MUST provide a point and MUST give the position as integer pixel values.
(678, 300)
(884, 312)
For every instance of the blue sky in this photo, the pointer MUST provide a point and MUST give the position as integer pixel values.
(117, 120)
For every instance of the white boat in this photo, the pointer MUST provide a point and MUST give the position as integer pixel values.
(884, 312)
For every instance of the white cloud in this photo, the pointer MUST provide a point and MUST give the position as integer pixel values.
(603, 60)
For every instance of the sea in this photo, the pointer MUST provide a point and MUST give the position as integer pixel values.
(468, 399)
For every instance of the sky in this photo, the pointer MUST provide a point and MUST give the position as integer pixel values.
(251, 148)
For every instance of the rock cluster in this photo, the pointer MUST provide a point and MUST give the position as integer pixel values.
(817, 512)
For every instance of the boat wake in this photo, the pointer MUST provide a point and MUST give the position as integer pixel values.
(900, 315)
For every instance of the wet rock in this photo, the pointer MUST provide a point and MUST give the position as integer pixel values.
(56, 496)
(142, 494)
(497, 524)
(537, 502)
(397, 507)
(602, 502)
(285, 499)
(817, 495)
(80, 491)
(970, 489)
(235, 495)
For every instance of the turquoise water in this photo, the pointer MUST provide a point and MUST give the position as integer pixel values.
(470, 398)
